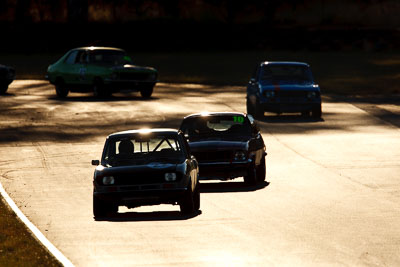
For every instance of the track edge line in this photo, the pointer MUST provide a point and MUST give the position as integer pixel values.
(36, 232)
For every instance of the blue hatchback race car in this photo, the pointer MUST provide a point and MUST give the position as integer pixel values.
(283, 87)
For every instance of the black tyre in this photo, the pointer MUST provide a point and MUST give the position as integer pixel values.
(196, 198)
(187, 202)
(249, 108)
(99, 90)
(3, 89)
(258, 110)
(146, 91)
(102, 208)
(261, 170)
(317, 112)
(61, 89)
(99, 207)
(251, 177)
(112, 209)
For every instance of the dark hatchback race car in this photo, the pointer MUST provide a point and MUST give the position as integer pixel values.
(101, 70)
(145, 167)
(7, 75)
(283, 87)
(227, 145)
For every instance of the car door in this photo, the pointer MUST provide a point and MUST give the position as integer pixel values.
(66, 69)
(93, 68)
(76, 72)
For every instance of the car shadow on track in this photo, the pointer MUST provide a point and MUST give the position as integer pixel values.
(290, 119)
(6, 94)
(149, 216)
(227, 187)
(112, 98)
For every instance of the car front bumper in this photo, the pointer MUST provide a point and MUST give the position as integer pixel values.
(289, 106)
(138, 195)
(223, 170)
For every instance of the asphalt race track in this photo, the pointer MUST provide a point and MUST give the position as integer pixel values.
(332, 196)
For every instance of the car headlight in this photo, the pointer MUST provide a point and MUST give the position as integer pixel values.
(240, 156)
(311, 94)
(108, 180)
(170, 176)
(269, 94)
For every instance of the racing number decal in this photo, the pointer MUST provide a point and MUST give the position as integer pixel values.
(238, 119)
(127, 59)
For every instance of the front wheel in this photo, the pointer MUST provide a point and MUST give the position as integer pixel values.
(61, 89)
(99, 90)
(102, 208)
(253, 107)
(251, 177)
(250, 108)
(317, 112)
(259, 111)
(99, 207)
(196, 197)
(261, 170)
(3, 89)
(187, 204)
(147, 91)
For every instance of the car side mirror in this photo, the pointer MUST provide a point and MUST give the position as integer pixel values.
(95, 162)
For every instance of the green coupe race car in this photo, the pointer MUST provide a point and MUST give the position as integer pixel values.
(101, 70)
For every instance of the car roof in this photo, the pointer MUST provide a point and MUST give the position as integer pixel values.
(285, 63)
(145, 131)
(215, 114)
(99, 48)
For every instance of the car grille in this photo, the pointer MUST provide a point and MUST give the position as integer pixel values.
(141, 178)
(134, 76)
(291, 96)
(296, 93)
(215, 156)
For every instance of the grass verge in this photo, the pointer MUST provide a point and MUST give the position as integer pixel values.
(17, 245)
(337, 72)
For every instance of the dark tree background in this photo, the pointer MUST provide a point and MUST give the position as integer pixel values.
(199, 24)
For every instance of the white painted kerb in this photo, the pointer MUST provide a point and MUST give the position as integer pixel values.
(52, 249)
